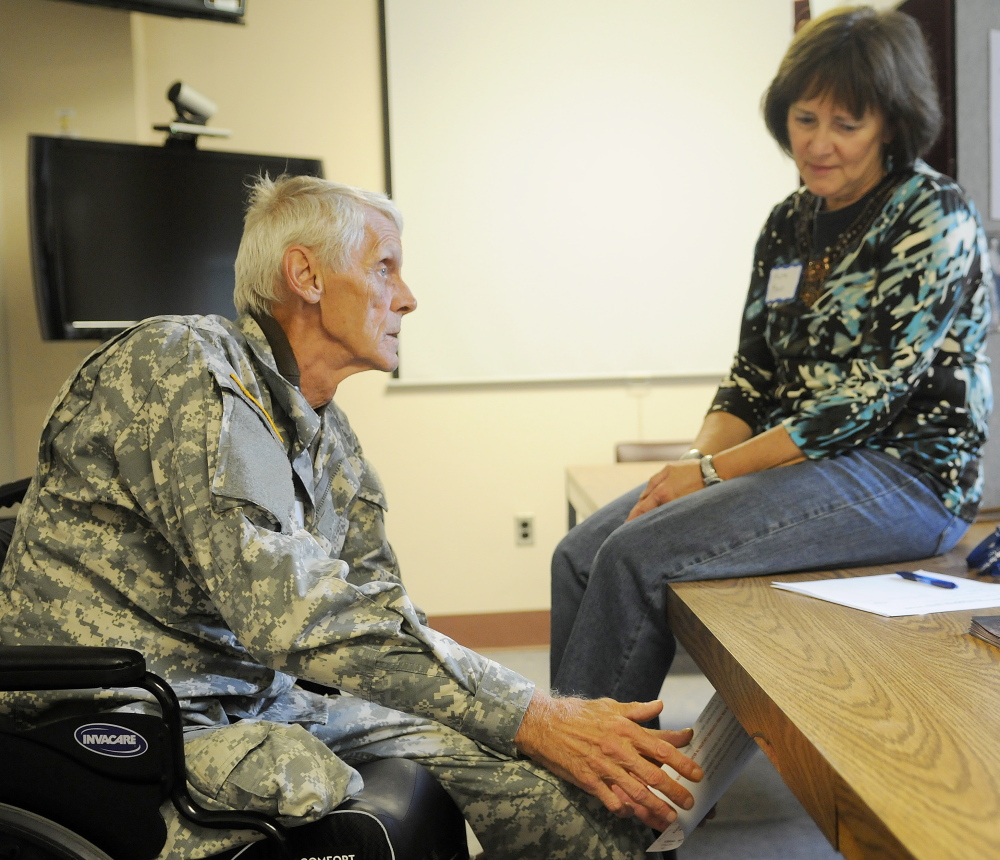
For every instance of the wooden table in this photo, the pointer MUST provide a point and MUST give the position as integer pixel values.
(590, 487)
(886, 729)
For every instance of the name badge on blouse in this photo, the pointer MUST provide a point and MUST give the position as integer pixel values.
(783, 284)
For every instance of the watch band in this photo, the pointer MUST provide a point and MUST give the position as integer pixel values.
(708, 473)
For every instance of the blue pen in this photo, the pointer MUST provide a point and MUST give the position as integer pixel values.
(929, 580)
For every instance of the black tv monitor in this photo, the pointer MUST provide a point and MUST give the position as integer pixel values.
(122, 231)
(212, 10)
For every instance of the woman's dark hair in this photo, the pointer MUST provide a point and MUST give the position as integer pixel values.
(862, 59)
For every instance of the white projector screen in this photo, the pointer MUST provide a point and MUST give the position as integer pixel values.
(582, 182)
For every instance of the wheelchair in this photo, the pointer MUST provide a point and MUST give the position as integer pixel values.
(89, 786)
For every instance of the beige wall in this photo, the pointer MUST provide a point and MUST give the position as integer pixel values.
(53, 56)
(303, 78)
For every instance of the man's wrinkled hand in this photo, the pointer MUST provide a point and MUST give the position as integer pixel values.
(599, 746)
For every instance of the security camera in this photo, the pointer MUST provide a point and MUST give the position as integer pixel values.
(191, 106)
(193, 111)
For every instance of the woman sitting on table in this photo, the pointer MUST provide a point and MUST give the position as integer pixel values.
(848, 431)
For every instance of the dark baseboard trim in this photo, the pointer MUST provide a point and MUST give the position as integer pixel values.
(496, 629)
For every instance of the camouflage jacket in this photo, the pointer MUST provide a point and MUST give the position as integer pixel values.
(190, 504)
(891, 356)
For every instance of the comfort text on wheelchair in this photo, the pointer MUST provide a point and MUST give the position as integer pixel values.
(109, 739)
(331, 857)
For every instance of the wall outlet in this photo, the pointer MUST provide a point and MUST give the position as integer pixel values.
(524, 529)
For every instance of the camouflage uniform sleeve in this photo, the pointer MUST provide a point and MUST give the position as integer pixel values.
(415, 667)
(930, 261)
(212, 477)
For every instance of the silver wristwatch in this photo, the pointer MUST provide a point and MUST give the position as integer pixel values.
(708, 473)
(693, 454)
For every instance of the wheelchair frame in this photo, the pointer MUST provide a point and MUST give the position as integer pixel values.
(63, 668)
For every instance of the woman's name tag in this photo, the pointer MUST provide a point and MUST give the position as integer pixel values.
(783, 284)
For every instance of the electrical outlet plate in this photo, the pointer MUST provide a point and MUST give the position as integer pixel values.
(524, 529)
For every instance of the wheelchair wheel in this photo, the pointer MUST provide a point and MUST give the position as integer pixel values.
(26, 836)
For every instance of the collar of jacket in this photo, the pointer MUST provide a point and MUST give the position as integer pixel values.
(281, 390)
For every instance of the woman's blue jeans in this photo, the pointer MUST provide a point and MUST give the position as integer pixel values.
(610, 635)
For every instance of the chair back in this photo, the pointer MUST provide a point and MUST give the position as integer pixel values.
(10, 495)
(634, 452)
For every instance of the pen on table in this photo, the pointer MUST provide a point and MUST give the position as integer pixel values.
(929, 580)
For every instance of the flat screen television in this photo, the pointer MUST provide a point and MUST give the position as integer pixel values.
(212, 10)
(122, 231)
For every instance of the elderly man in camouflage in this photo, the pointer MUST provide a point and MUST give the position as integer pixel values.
(200, 497)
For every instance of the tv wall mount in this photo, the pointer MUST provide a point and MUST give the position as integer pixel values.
(193, 113)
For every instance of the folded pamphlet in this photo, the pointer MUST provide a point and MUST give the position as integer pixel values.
(721, 748)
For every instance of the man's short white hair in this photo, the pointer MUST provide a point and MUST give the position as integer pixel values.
(326, 216)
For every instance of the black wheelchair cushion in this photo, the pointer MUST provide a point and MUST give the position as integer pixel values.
(418, 814)
(401, 813)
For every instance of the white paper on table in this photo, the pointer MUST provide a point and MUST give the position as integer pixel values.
(890, 595)
(722, 748)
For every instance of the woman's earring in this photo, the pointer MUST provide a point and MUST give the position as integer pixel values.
(888, 163)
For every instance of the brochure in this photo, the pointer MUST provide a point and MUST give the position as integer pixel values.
(891, 595)
(722, 748)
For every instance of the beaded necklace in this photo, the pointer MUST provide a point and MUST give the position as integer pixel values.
(818, 268)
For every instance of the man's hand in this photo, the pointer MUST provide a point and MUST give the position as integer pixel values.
(678, 478)
(599, 746)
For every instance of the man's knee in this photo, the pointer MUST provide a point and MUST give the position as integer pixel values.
(401, 812)
(257, 766)
(267, 767)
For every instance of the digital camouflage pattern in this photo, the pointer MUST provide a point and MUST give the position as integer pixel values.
(892, 354)
(190, 504)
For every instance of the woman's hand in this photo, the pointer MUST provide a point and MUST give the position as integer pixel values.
(767, 450)
(678, 478)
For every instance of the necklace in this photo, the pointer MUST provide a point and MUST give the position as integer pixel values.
(818, 268)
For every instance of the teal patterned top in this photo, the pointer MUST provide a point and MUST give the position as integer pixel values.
(891, 356)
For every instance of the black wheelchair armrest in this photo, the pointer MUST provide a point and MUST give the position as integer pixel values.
(56, 667)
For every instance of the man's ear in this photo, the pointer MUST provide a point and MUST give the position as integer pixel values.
(303, 277)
